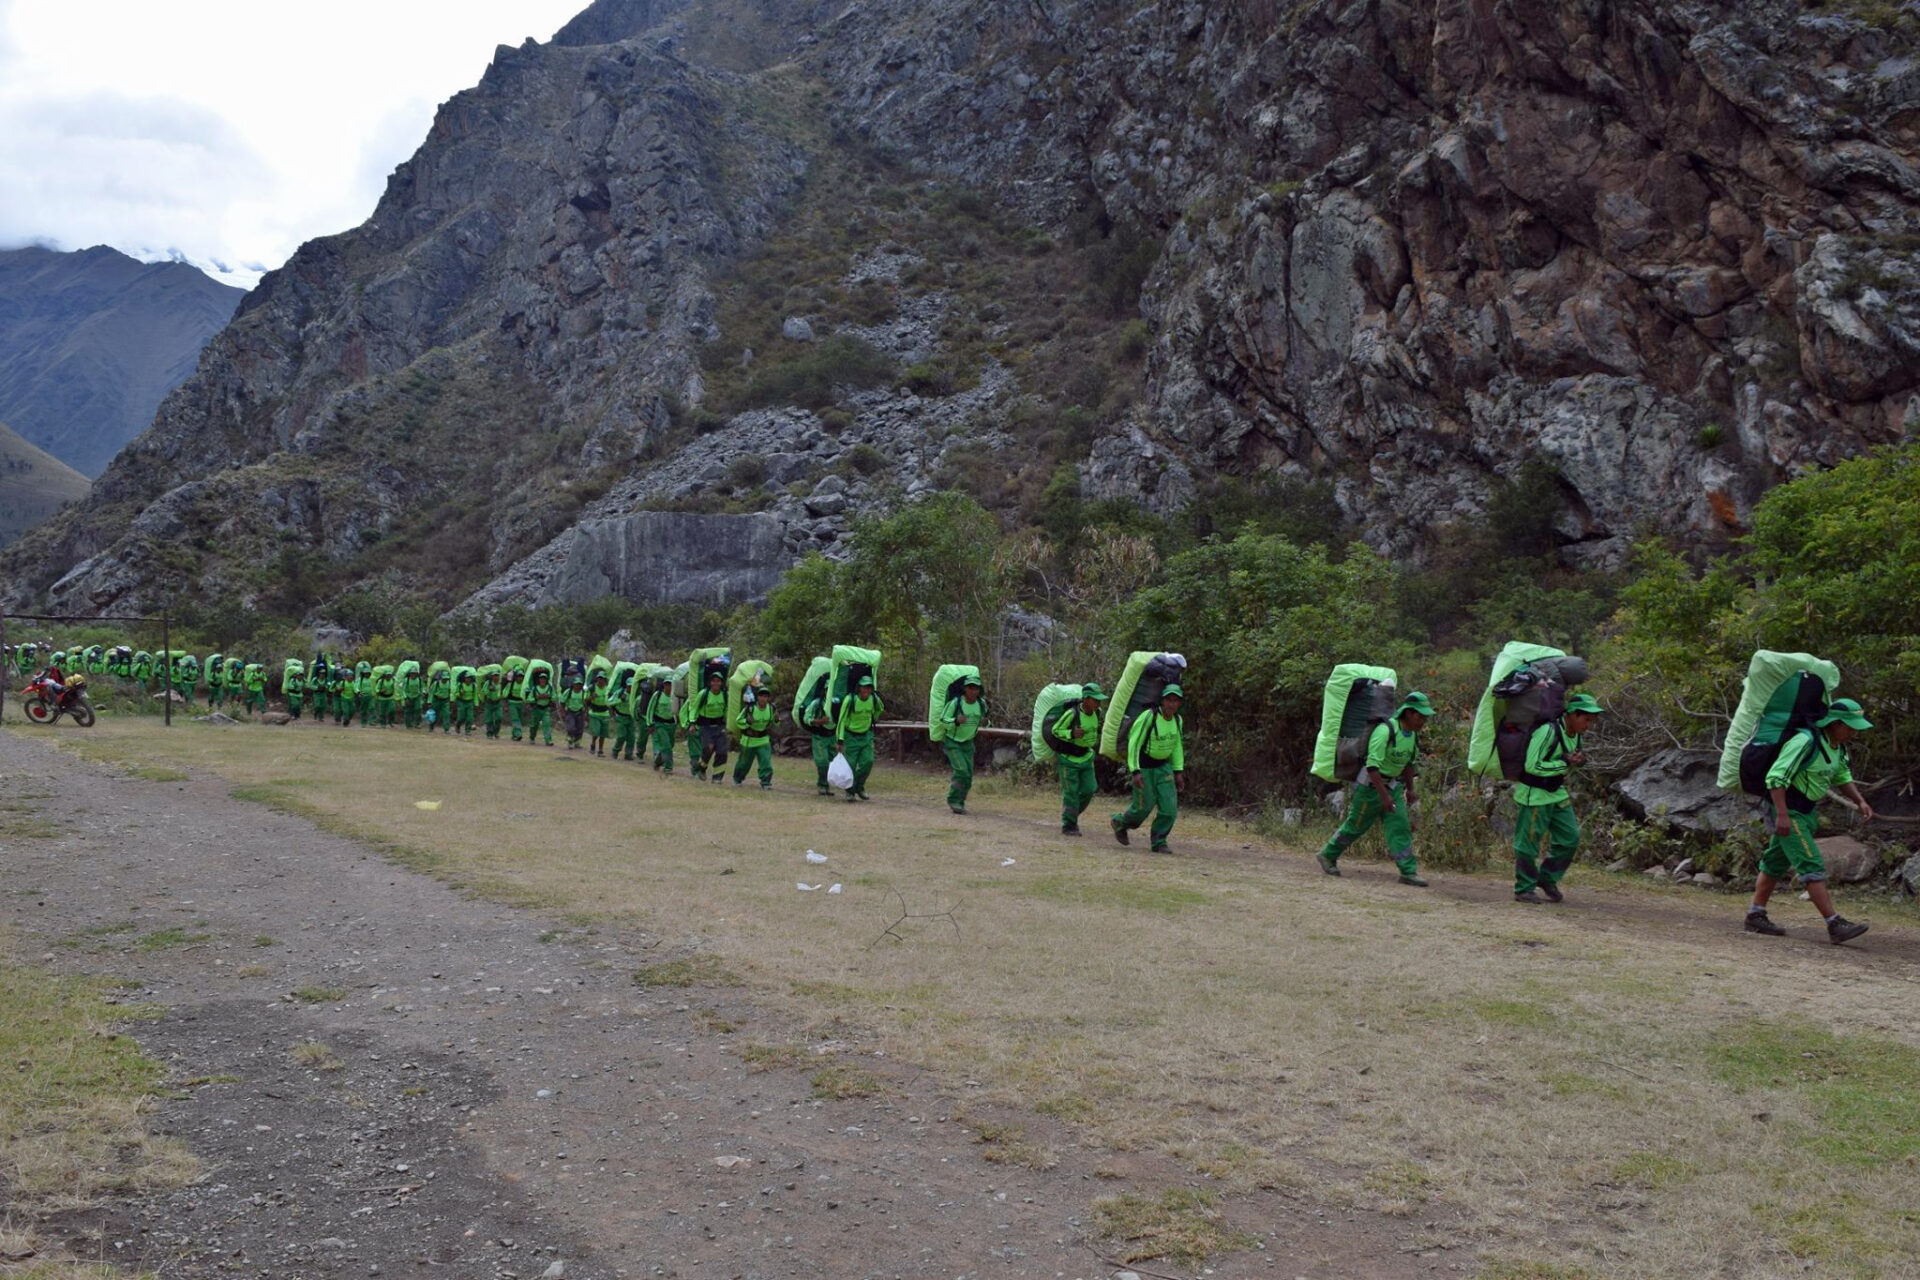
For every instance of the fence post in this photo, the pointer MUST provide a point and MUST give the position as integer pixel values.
(5, 675)
(166, 648)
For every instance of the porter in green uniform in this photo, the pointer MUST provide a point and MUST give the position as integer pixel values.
(705, 716)
(253, 680)
(820, 735)
(1811, 763)
(1544, 817)
(573, 701)
(1156, 766)
(539, 707)
(623, 712)
(599, 713)
(962, 717)
(1384, 791)
(466, 697)
(1079, 725)
(661, 724)
(491, 699)
(755, 723)
(854, 735)
(440, 696)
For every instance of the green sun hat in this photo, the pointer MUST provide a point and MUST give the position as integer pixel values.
(1417, 701)
(1585, 702)
(1846, 711)
(1092, 690)
(1173, 691)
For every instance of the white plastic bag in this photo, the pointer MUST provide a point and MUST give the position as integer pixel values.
(840, 773)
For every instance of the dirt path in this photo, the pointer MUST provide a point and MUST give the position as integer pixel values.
(501, 1097)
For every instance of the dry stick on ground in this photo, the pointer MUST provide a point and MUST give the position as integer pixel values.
(1134, 1267)
(893, 929)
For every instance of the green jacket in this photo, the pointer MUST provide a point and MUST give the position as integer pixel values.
(705, 706)
(1156, 737)
(1547, 752)
(574, 698)
(963, 719)
(660, 706)
(540, 695)
(600, 699)
(755, 723)
(1082, 730)
(1392, 750)
(859, 715)
(1810, 765)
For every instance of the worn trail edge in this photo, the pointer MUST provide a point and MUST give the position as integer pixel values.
(496, 1095)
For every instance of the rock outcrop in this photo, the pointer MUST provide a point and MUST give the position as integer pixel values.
(1401, 245)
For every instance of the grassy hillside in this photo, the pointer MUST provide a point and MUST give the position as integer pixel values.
(33, 485)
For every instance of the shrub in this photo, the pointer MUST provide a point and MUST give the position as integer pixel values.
(811, 378)
(748, 471)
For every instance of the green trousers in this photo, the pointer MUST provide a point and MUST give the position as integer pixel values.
(383, 712)
(822, 761)
(293, 705)
(598, 724)
(623, 735)
(491, 718)
(1551, 828)
(442, 715)
(411, 709)
(214, 694)
(755, 751)
(1156, 795)
(463, 716)
(539, 720)
(1078, 787)
(960, 760)
(663, 745)
(859, 749)
(517, 711)
(365, 702)
(1363, 811)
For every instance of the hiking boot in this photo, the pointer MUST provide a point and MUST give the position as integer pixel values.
(1120, 833)
(1408, 877)
(1840, 929)
(718, 779)
(766, 786)
(957, 808)
(1160, 848)
(1328, 865)
(1529, 896)
(1070, 831)
(739, 782)
(1552, 891)
(1757, 922)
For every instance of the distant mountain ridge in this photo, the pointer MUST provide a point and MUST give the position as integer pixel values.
(92, 342)
(33, 485)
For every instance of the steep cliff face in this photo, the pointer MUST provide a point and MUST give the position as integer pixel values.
(1402, 245)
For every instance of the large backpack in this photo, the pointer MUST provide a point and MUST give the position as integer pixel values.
(851, 665)
(1370, 703)
(949, 681)
(1526, 689)
(1141, 684)
(1796, 706)
(1047, 710)
(813, 685)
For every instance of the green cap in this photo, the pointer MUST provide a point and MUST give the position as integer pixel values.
(866, 682)
(1172, 691)
(1091, 689)
(971, 682)
(1417, 701)
(1846, 711)
(1585, 702)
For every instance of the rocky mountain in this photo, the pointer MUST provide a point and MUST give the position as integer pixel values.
(91, 342)
(661, 305)
(33, 485)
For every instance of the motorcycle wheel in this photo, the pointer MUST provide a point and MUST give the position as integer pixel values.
(82, 713)
(40, 713)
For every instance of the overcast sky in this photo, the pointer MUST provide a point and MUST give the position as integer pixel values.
(227, 130)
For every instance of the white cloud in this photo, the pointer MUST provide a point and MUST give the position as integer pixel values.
(226, 131)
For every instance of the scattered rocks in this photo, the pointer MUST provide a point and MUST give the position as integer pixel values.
(275, 717)
(1680, 787)
(1909, 875)
(1848, 861)
(1620, 864)
(1684, 871)
(797, 329)
(1707, 880)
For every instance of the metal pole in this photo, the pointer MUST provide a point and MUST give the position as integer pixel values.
(5, 676)
(166, 648)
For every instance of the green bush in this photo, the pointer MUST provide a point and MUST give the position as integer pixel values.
(812, 377)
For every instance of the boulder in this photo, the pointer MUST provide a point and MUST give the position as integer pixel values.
(1679, 786)
(797, 329)
(275, 717)
(1909, 878)
(1848, 861)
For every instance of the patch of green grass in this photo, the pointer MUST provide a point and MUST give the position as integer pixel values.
(838, 1080)
(319, 995)
(1506, 1270)
(1008, 1144)
(1525, 1014)
(262, 940)
(1401, 1180)
(161, 939)
(157, 773)
(1864, 1091)
(318, 1056)
(1132, 895)
(710, 1021)
(1654, 1171)
(774, 1057)
(688, 971)
(96, 932)
(1181, 1226)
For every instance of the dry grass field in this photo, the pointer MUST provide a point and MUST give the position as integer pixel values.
(1624, 1087)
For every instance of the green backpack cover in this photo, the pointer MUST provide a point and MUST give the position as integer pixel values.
(948, 681)
(1146, 674)
(1769, 699)
(744, 674)
(1349, 708)
(1047, 708)
(815, 684)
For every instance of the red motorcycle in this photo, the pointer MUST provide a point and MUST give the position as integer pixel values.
(48, 699)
